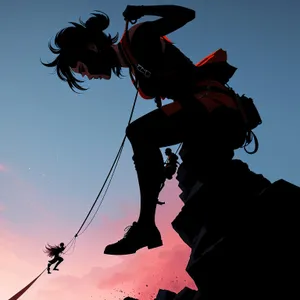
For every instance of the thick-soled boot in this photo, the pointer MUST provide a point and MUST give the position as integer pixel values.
(136, 237)
(144, 233)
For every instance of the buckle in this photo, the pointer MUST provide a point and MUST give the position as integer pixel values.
(142, 70)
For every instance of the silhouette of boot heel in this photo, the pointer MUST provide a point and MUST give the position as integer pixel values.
(155, 244)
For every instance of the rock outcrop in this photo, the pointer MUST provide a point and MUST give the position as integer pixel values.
(243, 233)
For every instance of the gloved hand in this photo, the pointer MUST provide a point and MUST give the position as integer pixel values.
(133, 12)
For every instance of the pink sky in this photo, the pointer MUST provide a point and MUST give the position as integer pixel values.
(88, 273)
(2, 168)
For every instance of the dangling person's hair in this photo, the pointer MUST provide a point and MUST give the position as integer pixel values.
(70, 43)
(52, 250)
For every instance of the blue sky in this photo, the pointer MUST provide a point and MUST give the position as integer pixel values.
(63, 144)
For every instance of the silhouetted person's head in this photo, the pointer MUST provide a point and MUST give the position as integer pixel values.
(85, 49)
(62, 244)
(168, 151)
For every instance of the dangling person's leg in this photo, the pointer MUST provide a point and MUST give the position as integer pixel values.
(59, 261)
(50, 263)
(147, 135)
(48, 268)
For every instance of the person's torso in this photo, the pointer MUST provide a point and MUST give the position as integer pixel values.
(172, 73)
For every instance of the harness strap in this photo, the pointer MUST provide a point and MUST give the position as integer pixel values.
(135, 67)
(215, 89)
(130, 58)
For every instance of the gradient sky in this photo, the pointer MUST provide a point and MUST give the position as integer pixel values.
(57, 146)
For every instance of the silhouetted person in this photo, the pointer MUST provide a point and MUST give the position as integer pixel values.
(171, 163)
(162, 71)
(55, 251)
(170, 169)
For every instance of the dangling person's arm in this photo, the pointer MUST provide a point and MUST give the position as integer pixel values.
(172, 18)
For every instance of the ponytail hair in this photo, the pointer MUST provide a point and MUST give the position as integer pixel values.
(96, 24)
(98, 21)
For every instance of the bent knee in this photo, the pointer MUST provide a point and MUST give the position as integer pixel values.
(135, 132)
(130, 130)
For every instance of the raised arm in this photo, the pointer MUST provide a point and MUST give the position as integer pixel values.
(172, 17)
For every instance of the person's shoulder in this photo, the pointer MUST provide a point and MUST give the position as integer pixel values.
(140, 35)
(140, 28)
(136, 29)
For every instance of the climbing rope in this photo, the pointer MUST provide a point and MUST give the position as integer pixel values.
(72, 245)
(178, 148)
(72, 242)
(108, 177)
(108, 185)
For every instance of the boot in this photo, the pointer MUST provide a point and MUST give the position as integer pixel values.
(144, 233)
(136, 237)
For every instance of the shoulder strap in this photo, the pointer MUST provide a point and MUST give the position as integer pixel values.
(134, 64)
(125, 49)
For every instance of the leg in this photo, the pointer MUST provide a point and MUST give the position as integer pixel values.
(170, 171)
(48, 268)
(51, 262)
(59, 261)
(147, 135)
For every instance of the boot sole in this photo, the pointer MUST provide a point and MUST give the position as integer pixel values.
(155, 245)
